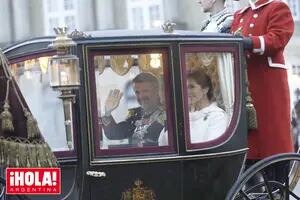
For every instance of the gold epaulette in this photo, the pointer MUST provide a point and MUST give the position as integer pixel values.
(132, 112)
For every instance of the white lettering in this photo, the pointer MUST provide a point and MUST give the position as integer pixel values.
(37, 181)
(19, 178)
(47, 180)
(12, 178)
(29, 178)
(54, 178)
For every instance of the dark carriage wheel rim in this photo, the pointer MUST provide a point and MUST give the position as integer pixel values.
(2, 191)
(294, 174)
(237, 188)
(2, 187)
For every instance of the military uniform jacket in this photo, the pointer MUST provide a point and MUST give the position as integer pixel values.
(220, 22)
(270, 26)
(125, 129)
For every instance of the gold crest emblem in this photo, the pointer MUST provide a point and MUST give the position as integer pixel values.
(138, 192)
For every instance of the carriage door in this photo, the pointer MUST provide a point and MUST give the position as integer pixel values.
(130, 124)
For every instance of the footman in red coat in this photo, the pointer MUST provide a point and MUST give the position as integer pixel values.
(267, 26)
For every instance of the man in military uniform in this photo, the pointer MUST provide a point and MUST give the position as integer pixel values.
(220, 17)
(144, 124)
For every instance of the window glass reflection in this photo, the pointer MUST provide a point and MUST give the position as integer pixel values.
(130, 99)
(33, 80)
(210, 94)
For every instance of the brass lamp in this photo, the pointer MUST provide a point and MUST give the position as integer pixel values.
(64, 76)
(64, 71)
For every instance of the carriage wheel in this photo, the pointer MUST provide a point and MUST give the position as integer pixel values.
(2, 187)
(14, 197)
(266, 188)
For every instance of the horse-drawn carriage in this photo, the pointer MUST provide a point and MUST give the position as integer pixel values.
(71, 105)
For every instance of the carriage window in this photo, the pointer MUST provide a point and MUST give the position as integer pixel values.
(210, 97)
(33, 80)
(130, 95)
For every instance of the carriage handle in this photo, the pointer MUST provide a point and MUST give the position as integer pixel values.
(96, 174)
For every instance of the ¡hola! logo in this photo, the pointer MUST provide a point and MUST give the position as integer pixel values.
(33, 181)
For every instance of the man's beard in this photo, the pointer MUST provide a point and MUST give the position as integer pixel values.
(147, 105)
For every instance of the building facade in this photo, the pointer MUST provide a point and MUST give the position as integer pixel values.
(23, 19)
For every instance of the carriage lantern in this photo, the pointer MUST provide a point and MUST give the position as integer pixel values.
(64, 70)
(64, 76)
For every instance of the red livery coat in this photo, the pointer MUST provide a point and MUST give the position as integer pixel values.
(270, 25)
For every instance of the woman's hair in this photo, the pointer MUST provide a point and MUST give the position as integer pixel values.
(201, 78)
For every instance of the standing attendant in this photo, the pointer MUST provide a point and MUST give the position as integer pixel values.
(267, 26)
(220, 17)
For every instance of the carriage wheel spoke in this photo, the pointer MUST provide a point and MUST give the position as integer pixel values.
(266, 181)
(294, 195)
(2, 189)
(244, 195)
(287, 180)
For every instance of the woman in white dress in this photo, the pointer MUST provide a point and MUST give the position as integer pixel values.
(207, 120)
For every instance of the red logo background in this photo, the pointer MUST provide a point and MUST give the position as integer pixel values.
(33, 181)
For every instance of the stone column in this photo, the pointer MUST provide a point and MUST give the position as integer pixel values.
(120, 12)
(104, 15)
(37, 18)
(194, 17)
(21, 17)
(5, 21)
(172, 13)
(86, 15)
(171, 10)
